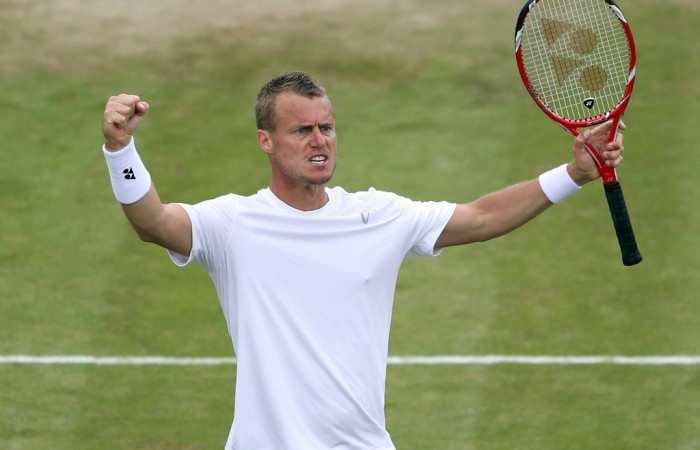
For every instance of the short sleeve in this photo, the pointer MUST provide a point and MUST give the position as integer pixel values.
(212, 224)
(430, 219)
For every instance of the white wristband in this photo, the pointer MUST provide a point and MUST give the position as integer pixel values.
(130, 179)
(557, 184)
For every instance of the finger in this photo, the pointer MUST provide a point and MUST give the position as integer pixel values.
(607, 126)
(116, 118)
(617, 143)
(116, 108)
(120, 108)
(612, 154)
(602, 131)
(142, 108)
(580, 142)
(123, 103)
(127, 99)
(614, 162)
(613, 157)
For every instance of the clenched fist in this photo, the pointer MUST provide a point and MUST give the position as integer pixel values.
(123, 115)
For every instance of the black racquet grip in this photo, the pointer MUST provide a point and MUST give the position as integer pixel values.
(623, 226)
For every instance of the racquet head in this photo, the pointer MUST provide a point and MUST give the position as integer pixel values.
(577, 59)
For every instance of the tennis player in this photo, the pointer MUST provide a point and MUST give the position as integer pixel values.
(306, 273)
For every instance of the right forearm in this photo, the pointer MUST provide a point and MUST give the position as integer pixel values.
(146, 216)
(167, 225)
(132, 186)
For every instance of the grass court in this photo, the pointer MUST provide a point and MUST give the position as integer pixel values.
(428, 104)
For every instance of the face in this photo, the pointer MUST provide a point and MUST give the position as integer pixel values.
(302, 149)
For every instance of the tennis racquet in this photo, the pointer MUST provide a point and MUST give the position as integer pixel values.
(578, 62)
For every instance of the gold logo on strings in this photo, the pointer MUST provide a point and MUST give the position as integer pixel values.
(583, 42)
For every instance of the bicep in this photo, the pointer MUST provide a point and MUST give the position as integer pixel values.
(463, 227)
(494, 214)
(167, 225)
(177, 230)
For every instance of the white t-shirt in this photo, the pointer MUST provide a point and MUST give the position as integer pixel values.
(307, 297)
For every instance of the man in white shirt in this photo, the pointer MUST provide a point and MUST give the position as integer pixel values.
(306, 273)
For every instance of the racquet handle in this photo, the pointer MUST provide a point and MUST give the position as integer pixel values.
(623, 226)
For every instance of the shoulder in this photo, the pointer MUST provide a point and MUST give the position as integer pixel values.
(217, 208)
(218, 203)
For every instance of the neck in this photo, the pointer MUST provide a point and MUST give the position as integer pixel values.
(303, 198)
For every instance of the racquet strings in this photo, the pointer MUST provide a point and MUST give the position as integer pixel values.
(576, 56)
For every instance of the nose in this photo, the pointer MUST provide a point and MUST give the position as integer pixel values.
(317, 138)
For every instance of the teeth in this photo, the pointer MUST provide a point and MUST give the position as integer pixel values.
(318, 158)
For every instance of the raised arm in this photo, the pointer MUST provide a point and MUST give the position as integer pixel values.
(167, 225)
(502, 211)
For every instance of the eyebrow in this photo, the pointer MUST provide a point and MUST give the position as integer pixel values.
(306, 126)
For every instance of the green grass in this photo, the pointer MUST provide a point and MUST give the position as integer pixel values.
(429, 104)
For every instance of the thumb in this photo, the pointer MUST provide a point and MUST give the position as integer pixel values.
(583, 165)
(140, 110)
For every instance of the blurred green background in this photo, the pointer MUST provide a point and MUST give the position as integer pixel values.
(428, 104)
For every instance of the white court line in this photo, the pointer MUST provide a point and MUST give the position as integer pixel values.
(546, 360)
(116, 360)
(677, 360)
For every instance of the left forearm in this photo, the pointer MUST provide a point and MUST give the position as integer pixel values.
(505, 210)
(494, 214)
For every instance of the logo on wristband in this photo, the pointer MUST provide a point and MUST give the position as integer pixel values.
(129, 174)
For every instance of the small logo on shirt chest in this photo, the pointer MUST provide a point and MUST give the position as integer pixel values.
(365, 217)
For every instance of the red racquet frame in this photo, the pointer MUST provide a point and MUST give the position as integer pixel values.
(616, 202)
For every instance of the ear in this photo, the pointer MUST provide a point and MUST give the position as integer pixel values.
(265, 141)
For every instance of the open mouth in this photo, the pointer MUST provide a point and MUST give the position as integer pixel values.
(318, 159)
